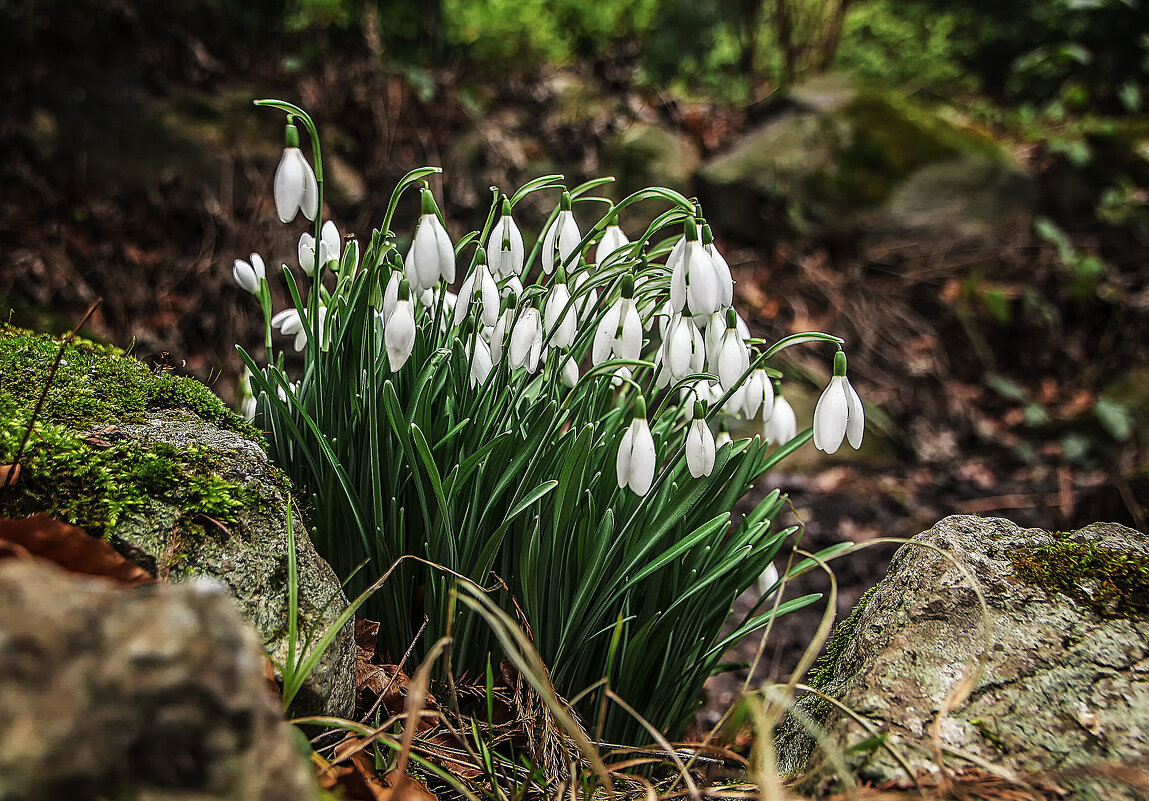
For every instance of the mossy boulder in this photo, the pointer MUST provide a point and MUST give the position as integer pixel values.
(846, 160)
(176, 482)
(1064, 684)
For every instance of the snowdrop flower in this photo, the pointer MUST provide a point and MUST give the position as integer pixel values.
(721, 269)
(693, 276)
(758, 394)
(767, 580)
(488, 292)
(731, 358)
(399, 332)
(839, 412)
(431, 256)
(295, 186)
(782, 425)
(682, 348)
(569, 373)
(329, 242)
(479, 357)
(587, 302)
(249, 275)
(700, 444)
(722, 438)
(289, 322)
(505, 245)
(526, 341)
(620, 330)
(613, 240)
(561, 238)
(510, 286)
(559, 318)
(636, 457)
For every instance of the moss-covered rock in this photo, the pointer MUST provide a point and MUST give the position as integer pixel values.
(174, 480)
(1065, 646)
(848, 160)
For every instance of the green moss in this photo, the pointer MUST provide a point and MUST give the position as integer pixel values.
(840, 637)
(98, 385)
(75, 469)
(1113, 583)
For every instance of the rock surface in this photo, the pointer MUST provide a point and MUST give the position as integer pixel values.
(248, 554)
(155, 464)
(1065, 683)
(852, 162)
(153, 693)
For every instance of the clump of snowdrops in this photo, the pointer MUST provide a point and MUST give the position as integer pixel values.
(553, 431)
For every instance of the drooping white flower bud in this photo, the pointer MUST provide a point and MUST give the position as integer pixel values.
(783, 424)
(479, 357)
(613, 240)
(295, 188)
(526, 341)
(619, 333)
(722, 274)
(249, 275)
(431, 256)
(700, 444)
(569, 374)
(487, 292)
(693, 276)
(559, 315)
(758, 394)
(683, 351)
(399, 332)
(636, 455)
(839, 413)
(561, 238)
(505, 245)
(732, 356)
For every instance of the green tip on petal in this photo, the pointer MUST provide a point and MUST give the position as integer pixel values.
(731, 318)
(506, 206)
(565, 203)
(639, 408)
(699, 410)
(707, 234)
(840, 363)
(627, 286)
(690, 230)
(290, 134)
(404, 289)
(427, 201)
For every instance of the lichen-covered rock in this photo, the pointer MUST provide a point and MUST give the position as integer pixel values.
(1065, 682)
(176, 482)
(861, 163)
(155, 693)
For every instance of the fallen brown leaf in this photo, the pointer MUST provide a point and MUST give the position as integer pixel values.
(69, 547)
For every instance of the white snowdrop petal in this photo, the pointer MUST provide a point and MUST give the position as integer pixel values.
(782, 426)
(490, 299)
(856, 420)
(642, 459)
(444, 249)
(309, 199)
(830, 416)
(630, 345)
(699, 449)
(767, 580)
(330, 236)
(399, 335)
(604, 335)
(288, 187)
(623, 460)
(425, 254)
(570, 372)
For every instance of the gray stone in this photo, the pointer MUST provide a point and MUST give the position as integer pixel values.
(153, 693)
(248, 555)
(1065, 683)
(841, 160)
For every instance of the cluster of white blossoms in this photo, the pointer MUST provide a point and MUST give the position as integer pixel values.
(673, 324)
